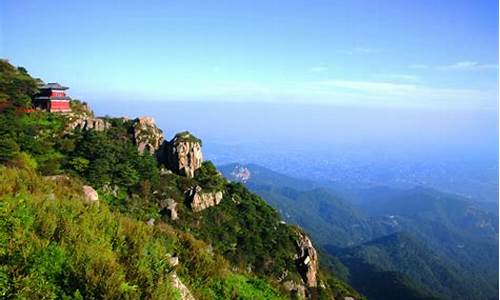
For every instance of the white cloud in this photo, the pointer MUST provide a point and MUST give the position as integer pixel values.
(369, 86)
(385, 93)
(318, 69)
(467, 65)
(340, 91)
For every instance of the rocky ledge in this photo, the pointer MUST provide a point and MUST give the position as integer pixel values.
(307, 260)
(147, 136)
(202, 200)
(182, 154)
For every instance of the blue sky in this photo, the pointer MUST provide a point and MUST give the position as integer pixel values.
(425, 53)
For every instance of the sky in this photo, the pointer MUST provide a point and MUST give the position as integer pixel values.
(289, 84)
(425, 54)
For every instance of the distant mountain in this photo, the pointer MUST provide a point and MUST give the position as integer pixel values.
(449, 243)
(328, 218)
(452, 226)
(403, 253)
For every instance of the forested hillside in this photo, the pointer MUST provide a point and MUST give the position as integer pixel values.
(99, 208)
(390, 244)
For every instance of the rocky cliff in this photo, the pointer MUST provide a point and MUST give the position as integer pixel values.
(147, 136)
(85, 122)
(307, 260)
(182, 154)
(201, 200)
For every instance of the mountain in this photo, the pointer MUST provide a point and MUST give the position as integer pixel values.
(352, 225)
(404, 253)
(330, 219)
(452, 226)
(102, 207)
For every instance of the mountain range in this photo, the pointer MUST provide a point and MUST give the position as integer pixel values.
(423, 243)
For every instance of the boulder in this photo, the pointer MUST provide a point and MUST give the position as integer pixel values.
(182, 154)
(85, 122)
(202, 200)
(172, 209)
(147, 136)
(241, 173)
(90, 194)
(183, 290)
(173, 260)
(307, 260)
(295, 288)
(169, 207)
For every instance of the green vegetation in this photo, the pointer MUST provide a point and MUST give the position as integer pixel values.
(395, 244)
(16, 87)
(54, 244)
(186, 136)
(209, 178)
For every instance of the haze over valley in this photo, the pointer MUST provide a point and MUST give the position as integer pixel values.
(451, 150)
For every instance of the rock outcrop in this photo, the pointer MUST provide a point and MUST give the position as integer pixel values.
(169, 207)
(307, 260)
(241, 173)
(90, 194)
(183, 290)
(147, 136)
(294, 288)
(202, 200)
(85, 122)
(182, 154)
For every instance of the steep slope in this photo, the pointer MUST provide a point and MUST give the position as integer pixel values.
(460, 232)
(453, 226)
(330, 220)
(405, 254)
(154, 214)
(55, 244)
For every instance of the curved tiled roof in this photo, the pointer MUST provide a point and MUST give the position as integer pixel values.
(53, 86)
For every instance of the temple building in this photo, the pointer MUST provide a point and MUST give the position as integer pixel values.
(52, 97)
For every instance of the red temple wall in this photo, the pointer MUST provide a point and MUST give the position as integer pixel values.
(59, 105)
(57, 94)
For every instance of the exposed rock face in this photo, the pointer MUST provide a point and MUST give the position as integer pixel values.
(183, 290)
(307, 260)
(88, 123)
(147, 136)
(241, 173)
(298, 289)
(183, 154)
(90, 194)
(173, 260)
(169, 206)
(202, 200)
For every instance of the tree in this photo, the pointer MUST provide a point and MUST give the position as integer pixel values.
(8, 149)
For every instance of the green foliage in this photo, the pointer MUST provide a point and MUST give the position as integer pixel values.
(54, 245)
(16, 86)
(209, 178)
(447, 253)
(101, 158)
(244, 288)
(8, 149)
(247, 231)
(186, 136)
